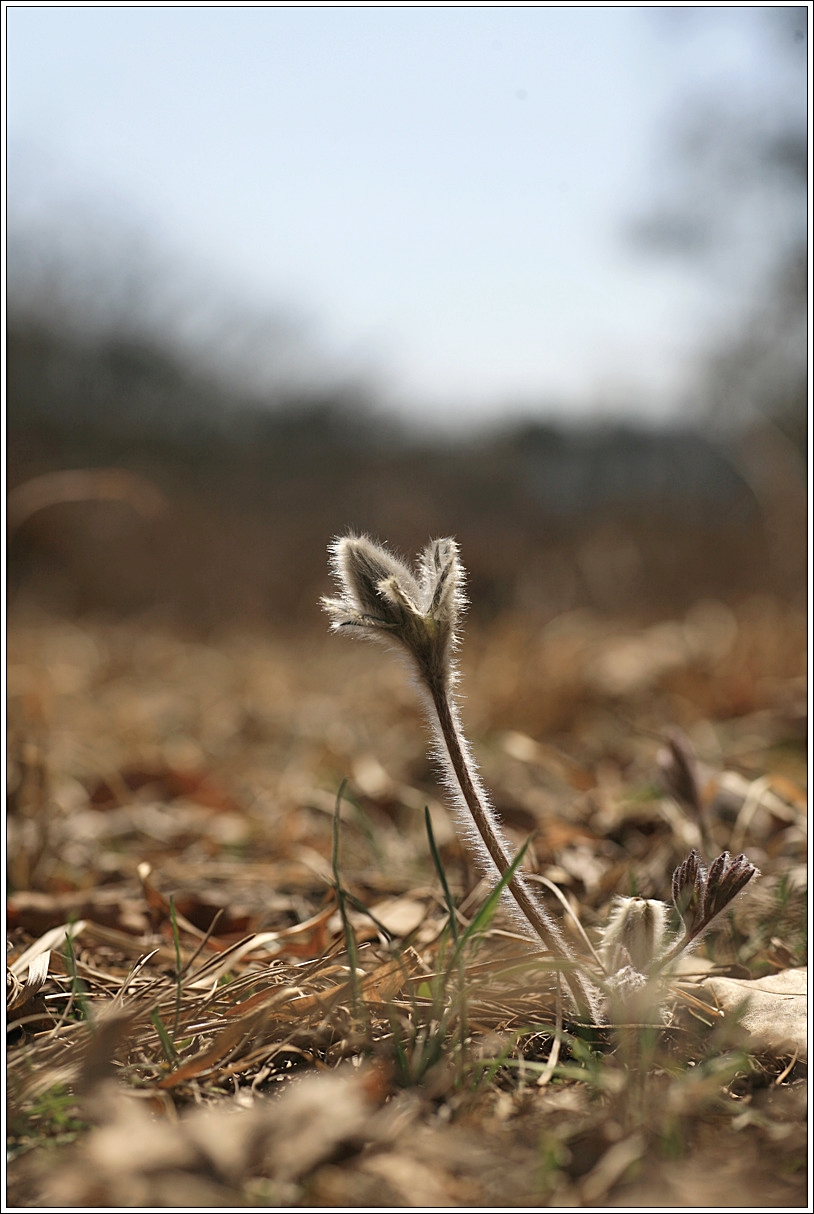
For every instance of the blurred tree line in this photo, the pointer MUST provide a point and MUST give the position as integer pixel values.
(550, 517)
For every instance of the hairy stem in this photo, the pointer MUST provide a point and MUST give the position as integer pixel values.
(584, 997)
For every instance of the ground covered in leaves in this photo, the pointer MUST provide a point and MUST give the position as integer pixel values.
(232, 978)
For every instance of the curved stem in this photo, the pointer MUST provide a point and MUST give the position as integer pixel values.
(483, 816)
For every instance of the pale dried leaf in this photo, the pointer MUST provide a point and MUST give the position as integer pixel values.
(18, 994)
(388, 979)
(52, 939)
(772, 1010)
(401, 916)
(131, 1148)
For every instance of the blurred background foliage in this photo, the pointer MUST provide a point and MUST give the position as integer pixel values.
(550, 517)
(260, 455)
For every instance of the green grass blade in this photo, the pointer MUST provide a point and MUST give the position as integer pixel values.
(357, 904)
(170, 1053)
(484, 916)
(177, 941)
(77, 985)
(439, 868)
(350, 935)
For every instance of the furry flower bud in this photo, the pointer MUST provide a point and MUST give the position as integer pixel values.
(635, 934)
(384, 599)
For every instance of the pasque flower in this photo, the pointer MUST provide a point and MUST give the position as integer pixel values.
(419, 612)
(384, 600)
(636, 933)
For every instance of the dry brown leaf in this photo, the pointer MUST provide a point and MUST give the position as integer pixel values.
(222, 1045)
(159, 906)
(170, 784)
(316, 1115)
(306, 940)
(388, 979)
(272, 997)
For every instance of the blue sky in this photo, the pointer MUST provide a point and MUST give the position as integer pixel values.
(437, 196)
